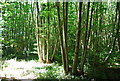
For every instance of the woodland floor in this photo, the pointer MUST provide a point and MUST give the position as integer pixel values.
(13, 69)
(21, 69)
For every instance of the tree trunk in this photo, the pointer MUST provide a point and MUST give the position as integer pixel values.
(61, 37)
(117, 34)
(54, 51)
(78, 34)
(37, 34)
(65, 19)
(48, 34)
(56, 40)
(85, 41)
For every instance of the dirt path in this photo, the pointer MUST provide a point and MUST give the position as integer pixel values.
(21, 69)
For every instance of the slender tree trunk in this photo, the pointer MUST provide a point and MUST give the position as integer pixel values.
(65, 19)
(117, 34)
(48, 34)
(66, 43)
(90, 22)
(56, 41)
(90, 26)
(26, 35)
(118, 29)
(37, 34)
(85, 41)
(42, 40)
(78, 34)
(54, 51)
(61, 37)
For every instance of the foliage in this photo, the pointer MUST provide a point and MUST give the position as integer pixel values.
(49, 31)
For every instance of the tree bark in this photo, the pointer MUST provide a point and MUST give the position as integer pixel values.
(48, 34)
(78, 38)
(118, 29)
(65, 19)
(85, 41)
(37, 34)
(61, 37)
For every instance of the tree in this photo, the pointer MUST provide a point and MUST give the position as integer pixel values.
(65, 21)
(85, 41)
(38, 34)
(61, 39)
(117, 32)
(78, 33)
(48, 33)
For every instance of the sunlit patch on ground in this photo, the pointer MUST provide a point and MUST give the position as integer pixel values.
(21, 69)
(12, 69)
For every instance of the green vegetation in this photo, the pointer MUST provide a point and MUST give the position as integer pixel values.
(60, 40)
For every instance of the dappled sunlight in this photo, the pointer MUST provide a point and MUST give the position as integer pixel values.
(13, 69)
(41, 39)
(21, 69)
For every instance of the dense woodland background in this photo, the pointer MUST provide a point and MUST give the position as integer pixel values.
(83, 37)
